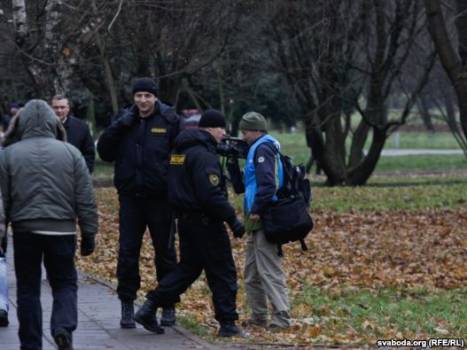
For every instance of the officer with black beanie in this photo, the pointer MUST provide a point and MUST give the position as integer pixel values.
(139, 141)
(198, 194)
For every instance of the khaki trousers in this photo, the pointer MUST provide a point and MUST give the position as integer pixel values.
(265, 280)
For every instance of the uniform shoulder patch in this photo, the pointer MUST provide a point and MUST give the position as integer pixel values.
(214, 179)
(177, 159)
(261, 159)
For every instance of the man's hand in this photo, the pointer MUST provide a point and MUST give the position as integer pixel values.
(88, 245)
(127, 120)
(254, 217)
(237, 228)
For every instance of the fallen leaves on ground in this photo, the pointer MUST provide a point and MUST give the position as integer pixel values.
(379, 249)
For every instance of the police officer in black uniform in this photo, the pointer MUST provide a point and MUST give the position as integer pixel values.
(197, 192)
(140, 141)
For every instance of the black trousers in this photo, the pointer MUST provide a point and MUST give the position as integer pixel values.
(137, 214)
(58, 253)
(203, 246)
(3, 244)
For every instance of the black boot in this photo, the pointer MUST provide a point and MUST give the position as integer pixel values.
(3, 318)
(63, 340)
(230, 329)
(168, 316)
(128, 315)
(146, 316)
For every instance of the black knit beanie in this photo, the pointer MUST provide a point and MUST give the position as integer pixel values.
(212, 118)
(145, 85)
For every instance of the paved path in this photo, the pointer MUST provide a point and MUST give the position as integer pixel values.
(396, 152)
(98, 328)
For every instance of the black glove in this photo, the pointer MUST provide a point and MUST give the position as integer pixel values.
(129, 117)
(237, 228)
(87, 245)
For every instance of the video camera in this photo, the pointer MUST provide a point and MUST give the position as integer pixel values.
(232, 147)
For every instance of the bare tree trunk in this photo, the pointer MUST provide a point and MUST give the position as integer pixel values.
(19, 19)
(358, 142)
(448, 56)
(109, 78)
(450, 112)
(360, 175)
(424, 110)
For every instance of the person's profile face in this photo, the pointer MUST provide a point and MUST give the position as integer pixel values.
(249, 136)
(217, 133)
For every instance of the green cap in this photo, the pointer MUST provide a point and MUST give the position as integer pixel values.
(253, 121)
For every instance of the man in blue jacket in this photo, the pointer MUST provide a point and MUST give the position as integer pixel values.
(264, 277)
(139, 141)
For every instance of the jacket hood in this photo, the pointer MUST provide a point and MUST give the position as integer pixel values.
(36, 119)
(191, 137)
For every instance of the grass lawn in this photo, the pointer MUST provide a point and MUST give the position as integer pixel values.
(402, 193)
(295, 146)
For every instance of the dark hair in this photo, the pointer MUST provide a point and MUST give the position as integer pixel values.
(61, 97)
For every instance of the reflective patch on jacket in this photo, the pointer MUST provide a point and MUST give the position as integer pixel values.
(177, 159)
(159, 130)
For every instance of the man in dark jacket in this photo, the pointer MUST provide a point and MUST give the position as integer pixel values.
(139, 141)
(77, 131)
(198, 194)
(46, 187)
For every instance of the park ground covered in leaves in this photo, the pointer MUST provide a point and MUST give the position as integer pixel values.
(368, 275)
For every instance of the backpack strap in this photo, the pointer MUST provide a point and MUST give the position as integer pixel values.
(303, 244)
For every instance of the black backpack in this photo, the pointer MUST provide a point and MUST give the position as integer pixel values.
(288, 219)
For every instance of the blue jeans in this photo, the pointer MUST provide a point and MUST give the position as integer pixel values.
(58, 254)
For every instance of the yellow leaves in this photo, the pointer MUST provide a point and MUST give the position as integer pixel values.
(312, 331)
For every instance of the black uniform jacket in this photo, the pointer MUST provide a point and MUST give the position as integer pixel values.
(140, 148)
(78, 135)
(196, 180)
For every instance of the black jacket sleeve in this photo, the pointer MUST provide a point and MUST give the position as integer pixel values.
(265, 166)
(88, 150)
(207, 180)
(108, 143)
(236, 175)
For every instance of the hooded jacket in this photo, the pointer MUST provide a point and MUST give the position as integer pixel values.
(2, 221)
(44, 181)
(196, 180)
